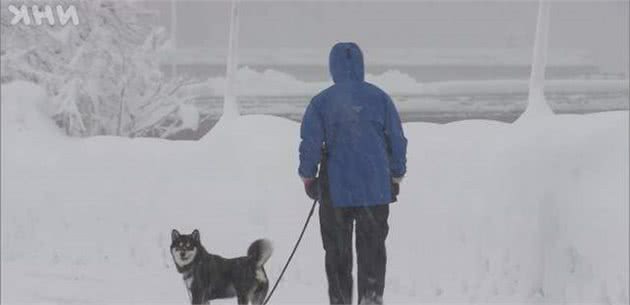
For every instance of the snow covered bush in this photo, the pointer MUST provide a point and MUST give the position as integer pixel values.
(102, 75)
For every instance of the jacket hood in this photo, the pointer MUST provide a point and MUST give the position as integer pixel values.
(346, 62)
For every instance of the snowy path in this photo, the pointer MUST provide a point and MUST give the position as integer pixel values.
(87, 221)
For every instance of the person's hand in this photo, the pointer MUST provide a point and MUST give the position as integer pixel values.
(395, 189)
(311, 187)
(396, 186)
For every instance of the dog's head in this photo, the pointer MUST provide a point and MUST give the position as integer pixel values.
(184, 247)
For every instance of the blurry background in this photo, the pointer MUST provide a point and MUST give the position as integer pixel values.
(587, 37)
(406, 45)
(440, 61)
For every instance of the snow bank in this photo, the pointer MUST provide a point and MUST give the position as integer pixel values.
(513, 207)
(489, 212)
(275, 83)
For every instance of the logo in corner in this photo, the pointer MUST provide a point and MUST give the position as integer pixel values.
(36, 15)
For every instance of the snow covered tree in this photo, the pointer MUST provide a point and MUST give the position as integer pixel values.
(102, 75)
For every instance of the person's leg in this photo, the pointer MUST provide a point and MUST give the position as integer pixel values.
(336, 229)
(372, 229)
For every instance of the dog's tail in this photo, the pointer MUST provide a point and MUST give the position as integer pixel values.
(260, 251)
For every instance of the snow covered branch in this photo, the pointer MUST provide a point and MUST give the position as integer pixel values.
(102, 75)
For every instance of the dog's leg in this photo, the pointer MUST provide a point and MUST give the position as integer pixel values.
(244, 295)
(206, 296)
(262, 287)
(199, 296)
(196, 297)
(260, 294)
(242, 299)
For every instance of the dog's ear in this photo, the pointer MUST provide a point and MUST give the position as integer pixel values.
(195, 235)
(174, 234)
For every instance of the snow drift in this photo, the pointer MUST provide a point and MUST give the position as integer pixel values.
(276, 83)
(489, 212)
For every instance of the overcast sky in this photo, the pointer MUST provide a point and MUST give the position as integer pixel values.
(599, 27)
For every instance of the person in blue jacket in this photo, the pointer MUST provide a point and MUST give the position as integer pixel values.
(352, 131)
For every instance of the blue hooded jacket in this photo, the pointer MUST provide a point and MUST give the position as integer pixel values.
(360, 127)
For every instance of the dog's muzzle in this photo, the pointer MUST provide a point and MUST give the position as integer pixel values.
(184, 257)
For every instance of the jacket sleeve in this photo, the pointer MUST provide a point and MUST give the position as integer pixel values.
(395, 138)
(312, 134)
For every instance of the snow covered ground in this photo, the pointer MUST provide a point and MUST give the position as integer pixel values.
(489, 212)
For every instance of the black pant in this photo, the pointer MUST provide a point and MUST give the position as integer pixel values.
(371, 229)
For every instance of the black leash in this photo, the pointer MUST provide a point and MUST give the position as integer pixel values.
(308, 219)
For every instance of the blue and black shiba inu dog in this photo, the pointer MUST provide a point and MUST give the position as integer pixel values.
(208, 276)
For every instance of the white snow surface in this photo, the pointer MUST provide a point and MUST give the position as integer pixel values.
(489, 212)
